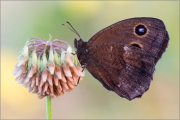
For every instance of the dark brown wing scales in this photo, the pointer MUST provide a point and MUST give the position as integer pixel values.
(95, 70)
(106, 55)
(138, 73)
(125, 32)
(109, 54)
(130, 77)
(163, 48)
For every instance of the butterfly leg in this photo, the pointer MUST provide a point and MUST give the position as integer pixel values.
(82, 71)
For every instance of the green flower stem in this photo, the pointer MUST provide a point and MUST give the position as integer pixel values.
(48, 108)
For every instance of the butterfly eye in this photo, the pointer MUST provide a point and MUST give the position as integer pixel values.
(140, 30)
(136, 45)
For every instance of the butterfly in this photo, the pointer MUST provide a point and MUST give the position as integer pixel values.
(122, 56)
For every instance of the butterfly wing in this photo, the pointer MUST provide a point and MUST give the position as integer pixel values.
(124, 69)
(123, 56)
(154, 41)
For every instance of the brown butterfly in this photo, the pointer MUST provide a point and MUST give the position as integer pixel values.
(123, 56)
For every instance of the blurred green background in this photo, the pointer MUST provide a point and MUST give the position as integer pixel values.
(22, 20)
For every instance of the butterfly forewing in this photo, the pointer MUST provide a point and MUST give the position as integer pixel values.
(124, 32)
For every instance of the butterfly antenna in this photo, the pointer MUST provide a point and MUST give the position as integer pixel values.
(73, 29)
(70, 29)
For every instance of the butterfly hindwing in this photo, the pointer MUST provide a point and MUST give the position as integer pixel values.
(129, 78)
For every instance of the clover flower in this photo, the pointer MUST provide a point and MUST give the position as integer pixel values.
(48, 68)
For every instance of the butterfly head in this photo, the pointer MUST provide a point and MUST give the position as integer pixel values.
(81, 50)
(78, 43)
